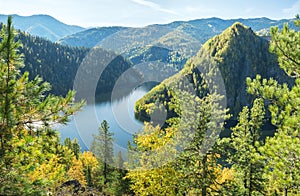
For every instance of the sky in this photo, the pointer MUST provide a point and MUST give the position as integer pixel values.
(138, 13)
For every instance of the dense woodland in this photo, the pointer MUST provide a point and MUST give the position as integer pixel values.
(238, 53)
(58, 64)
(178, 159)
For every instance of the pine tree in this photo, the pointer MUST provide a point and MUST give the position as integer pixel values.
(73, 145)
(179, 159)
(102, 147)
(120, 185)
(282, 152)
(26, 115)
(285, 44)
(245, 142)
(197, 163)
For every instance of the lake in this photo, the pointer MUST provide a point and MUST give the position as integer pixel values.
(118, 113)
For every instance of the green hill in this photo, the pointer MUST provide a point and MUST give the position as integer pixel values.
(238, 53)
(58, 64)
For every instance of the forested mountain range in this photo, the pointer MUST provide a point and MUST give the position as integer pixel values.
(42, 25)
(58, 64)
(238, 53)
(200, 29)
(53, 62)
(174, 43)
(90, 37)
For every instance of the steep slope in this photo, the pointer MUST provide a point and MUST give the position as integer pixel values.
(238, 53)
(58, 64)
(42, 25)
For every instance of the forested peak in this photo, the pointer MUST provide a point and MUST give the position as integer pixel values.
(235, 39)
(237, 28)
(238, 53)
(236, 43)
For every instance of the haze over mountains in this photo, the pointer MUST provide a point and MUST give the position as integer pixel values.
(42, 25)
(202, 29)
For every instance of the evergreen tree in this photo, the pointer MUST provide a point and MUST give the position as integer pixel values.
(285, 44)
(102, 147)
(245, 156)
(197, 163)
(180, 159)
(27, 142)
(120, 185)
(73, 145)
(282, 152)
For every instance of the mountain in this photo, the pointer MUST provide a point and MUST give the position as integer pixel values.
(42, 25)
(90, 37)
(237, 53)
(200, 29)
(59, 64)
(175, 42)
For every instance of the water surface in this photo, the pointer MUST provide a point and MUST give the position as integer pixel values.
(118, 113)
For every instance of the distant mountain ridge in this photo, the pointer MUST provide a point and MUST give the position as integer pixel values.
(42, 25)
(200, 29)
(179, 40)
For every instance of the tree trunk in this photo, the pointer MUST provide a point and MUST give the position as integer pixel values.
(204, 174)
(105, 159)
(285, 192)
(250, 181)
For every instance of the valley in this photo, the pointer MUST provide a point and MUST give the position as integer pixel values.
(197, 107)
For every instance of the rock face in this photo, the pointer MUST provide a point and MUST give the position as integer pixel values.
(238, 53)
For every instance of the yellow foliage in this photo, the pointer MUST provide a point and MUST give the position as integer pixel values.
(76, 171)
(88, 159)
(153, 137)
(158, 181)
(151, 179)
(51, 171)
(223, 175)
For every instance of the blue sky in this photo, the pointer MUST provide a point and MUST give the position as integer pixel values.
(89, 13)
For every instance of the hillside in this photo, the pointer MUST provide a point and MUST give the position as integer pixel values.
(58, 64)
(238, 53)
(42, 25)
(90, 37)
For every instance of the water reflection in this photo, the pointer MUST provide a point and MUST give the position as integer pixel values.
(118, 113)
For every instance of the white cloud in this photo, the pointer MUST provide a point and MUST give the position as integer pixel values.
(154, 6)
(292, 11)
